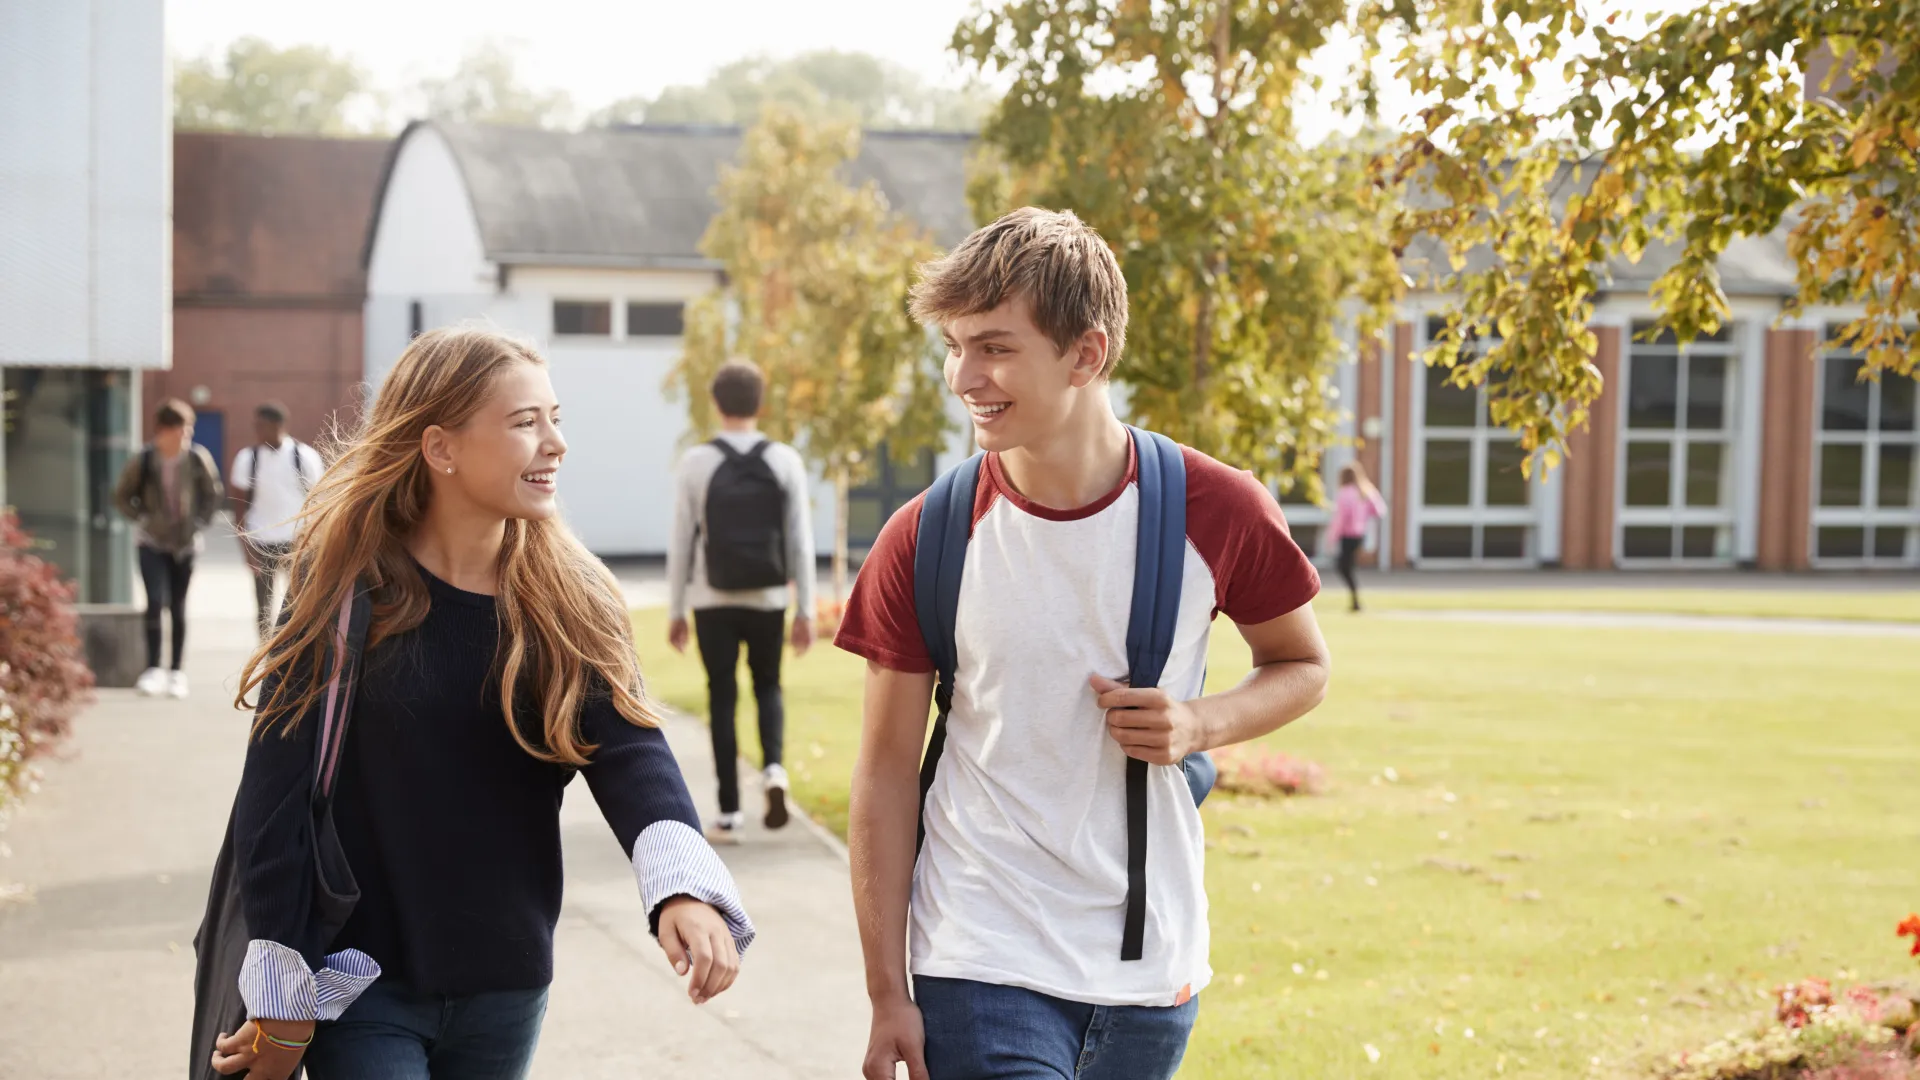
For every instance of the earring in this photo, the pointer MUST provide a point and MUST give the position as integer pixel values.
(449, 470)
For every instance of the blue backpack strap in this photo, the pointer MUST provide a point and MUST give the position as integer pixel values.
(939, 557)
(1160, 558)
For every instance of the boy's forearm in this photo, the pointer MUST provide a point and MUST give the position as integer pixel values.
(1270, 697)
(882, 824)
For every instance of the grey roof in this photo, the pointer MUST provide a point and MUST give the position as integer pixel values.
(642, 196)
(1757, 266)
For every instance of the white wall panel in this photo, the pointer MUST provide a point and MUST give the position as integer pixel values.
(84, 229)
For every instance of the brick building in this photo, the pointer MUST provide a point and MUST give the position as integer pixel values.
(268, 279)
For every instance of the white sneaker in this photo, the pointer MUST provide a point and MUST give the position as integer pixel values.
(726, 828)
(177, 684)
(776, 788)
(151, 683)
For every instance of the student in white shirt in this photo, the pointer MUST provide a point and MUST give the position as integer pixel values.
(742, 534)
(270, 481)
(996, 950)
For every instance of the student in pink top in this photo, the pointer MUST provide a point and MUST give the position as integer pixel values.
(1354, 508)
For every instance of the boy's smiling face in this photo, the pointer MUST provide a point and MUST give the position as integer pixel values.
(1015, 382)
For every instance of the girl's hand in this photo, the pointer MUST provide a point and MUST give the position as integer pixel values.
(235, 1053)
(697, 941)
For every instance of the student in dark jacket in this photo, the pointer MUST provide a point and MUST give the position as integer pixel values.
(499, 663)
(170, 490)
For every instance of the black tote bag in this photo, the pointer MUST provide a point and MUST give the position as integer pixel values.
(220, 946)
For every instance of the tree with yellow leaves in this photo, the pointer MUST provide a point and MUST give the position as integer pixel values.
(1557, 138)
(817, 273)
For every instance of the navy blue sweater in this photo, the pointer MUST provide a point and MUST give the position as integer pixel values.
(451, 829)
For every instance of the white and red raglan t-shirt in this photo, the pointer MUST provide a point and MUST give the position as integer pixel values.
(1023, 878)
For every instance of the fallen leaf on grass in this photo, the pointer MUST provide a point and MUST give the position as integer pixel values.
(1512, 856)
(1449, 864)
(1677, 900)
(1550, 818)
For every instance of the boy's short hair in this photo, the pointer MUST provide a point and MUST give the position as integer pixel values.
(1069, 276)
(173, 413)
(272, 411)
(737, 389)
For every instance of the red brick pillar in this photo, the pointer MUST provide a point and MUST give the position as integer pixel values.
(1586, 510)
(1404, 372)
(1368, 408)
(1786, 450)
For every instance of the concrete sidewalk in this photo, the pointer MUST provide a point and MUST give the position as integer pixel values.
(96, 960)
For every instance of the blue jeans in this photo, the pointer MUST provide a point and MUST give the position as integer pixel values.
(979, 1031)
(394, 1033)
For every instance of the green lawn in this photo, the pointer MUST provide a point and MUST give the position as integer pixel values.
(1601, 844)
(1897, 600)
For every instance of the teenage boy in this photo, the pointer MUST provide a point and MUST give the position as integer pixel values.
(742, 532)
(170, 490)
(1012, 912)
(269, 483)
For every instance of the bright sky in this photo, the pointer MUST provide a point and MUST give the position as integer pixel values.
(602, 50)
(596, 50)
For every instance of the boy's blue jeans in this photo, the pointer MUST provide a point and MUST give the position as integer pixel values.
(980, 1031)
(392, 1032)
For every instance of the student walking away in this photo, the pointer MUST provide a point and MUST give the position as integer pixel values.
(1356, 506)
(170, 490)
(269, 482)
(1053, 596)
(488, 658)
(742, 532)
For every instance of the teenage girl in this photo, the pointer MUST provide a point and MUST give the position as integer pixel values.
(499, 663)
(1355, 507)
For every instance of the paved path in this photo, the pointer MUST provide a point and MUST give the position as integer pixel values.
(1652, 620)
(96, 964)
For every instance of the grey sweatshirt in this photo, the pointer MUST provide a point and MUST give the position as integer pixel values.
(687, 586)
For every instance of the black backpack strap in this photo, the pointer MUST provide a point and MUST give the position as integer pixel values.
(1160, 557)
(759, 450)
(726, 449)
(939, 557)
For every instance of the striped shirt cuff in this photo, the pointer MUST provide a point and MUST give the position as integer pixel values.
(276, 984)
(671, 859)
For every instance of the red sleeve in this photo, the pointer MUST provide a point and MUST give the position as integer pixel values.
(881, 622)
(1259, 573)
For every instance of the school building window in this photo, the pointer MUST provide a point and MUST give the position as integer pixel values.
(583, 318)
(1475, 504)
(1866, 484)
(655, 320)
(1676, 491)
(891, 486)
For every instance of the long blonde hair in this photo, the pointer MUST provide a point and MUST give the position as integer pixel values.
(564, 630)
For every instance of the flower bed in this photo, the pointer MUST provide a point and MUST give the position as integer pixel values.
(1818, 1033)
(1252, 769)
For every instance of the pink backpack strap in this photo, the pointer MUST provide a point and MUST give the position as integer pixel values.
(333, 722)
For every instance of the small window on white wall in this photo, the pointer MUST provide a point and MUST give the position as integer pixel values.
(655, 320)
(583, 318)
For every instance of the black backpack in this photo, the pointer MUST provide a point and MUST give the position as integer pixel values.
(746, 527)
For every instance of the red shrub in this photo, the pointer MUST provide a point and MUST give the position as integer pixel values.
(44, 679)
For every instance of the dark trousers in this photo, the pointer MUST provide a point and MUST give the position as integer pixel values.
(267, 561)
(981, 1031)
(1350, 550)
(165, 577)
(721, 632)
(392, 1032)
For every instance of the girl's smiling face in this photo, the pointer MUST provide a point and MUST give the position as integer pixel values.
(506, 457)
